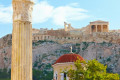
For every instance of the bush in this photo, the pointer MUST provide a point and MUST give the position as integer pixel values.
(85, 45)
(91, 70)
(42, 75)
(4, 74)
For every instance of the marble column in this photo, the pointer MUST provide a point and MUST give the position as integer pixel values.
(21, 62)
(101, 28)
(96, 27)
(65, 26)
(107, 28)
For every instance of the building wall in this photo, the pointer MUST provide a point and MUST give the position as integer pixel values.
(60, 67)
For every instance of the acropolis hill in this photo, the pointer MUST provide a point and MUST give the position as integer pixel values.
(97, 31)
(46, 51)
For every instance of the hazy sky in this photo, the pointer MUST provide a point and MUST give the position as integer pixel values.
(53, 13)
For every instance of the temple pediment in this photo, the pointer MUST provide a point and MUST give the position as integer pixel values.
(99, 21)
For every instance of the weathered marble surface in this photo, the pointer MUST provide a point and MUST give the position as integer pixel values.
(21, 62)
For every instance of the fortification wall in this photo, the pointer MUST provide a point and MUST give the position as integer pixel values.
(97, 37)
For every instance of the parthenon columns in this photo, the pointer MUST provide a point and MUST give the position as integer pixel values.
(96, 28)
(101, 28)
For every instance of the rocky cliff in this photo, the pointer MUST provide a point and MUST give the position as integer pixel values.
(46, 53)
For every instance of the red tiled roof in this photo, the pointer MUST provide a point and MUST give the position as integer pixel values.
(68, 58)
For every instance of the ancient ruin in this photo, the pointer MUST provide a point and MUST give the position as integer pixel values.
(99, 26)
(21, 67)
(97, 31)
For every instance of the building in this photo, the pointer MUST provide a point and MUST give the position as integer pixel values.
(99, 26)
(65, 62)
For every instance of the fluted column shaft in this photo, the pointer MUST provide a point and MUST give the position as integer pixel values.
(21, 51)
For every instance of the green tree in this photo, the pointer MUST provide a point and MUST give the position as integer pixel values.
(42, 75)
(91, 70)
(5, 74)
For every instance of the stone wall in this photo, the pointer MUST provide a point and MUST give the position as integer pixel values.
(97, 37)
(115, 31)
(61, 33)
(34, 31)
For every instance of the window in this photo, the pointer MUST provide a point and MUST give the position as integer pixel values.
(55, 76)
(65, 76)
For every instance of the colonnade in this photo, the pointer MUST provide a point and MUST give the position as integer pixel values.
(98, 28)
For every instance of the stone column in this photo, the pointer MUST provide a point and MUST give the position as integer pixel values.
(101, 28)
(65, 26)
(96, 27)
(107, 28)
(21, 62)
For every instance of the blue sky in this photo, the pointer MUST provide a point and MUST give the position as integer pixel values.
(52, 13)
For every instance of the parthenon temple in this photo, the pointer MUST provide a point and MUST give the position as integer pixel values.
(99, 26)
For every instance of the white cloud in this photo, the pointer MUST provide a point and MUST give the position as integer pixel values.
(44, 12)
(68, 13)
(5, 14)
